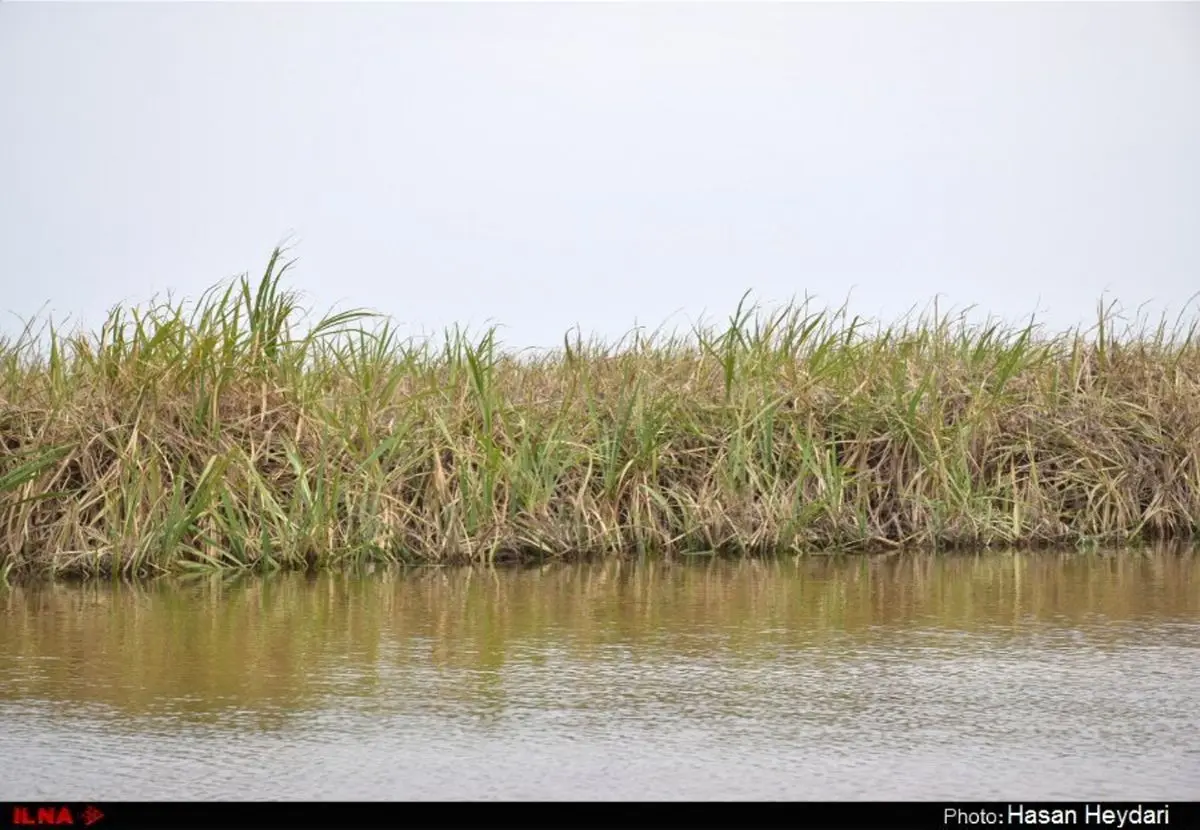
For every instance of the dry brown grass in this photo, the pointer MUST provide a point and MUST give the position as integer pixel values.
(213, 436)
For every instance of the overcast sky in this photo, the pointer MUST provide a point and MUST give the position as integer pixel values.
(546, 165)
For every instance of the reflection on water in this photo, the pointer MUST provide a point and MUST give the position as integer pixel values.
(995, 676)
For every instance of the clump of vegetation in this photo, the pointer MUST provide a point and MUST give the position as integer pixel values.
(217, 435)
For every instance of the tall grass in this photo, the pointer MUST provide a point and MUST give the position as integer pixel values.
(223, 435)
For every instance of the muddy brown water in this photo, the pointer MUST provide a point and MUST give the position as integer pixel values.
(1039, 676)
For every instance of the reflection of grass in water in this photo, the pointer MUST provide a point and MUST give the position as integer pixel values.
(217, 436)
(286, 642)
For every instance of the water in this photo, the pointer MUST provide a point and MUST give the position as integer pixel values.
(912, 677)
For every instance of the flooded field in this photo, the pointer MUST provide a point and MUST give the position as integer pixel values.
(1040, 676)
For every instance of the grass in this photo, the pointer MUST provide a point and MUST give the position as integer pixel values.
(220, 435)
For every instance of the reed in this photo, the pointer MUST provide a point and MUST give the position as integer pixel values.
(228, 434)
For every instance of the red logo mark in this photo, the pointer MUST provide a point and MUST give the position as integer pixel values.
(91, 815)
(35, 816)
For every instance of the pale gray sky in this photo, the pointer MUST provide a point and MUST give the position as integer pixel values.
(544, 165)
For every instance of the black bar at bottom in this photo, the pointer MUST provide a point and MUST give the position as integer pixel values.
(109, 815)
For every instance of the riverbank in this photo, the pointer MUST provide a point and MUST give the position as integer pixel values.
(219, 436)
